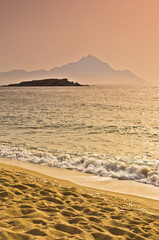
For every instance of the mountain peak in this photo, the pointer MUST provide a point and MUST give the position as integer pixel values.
(90, 59)
(88, 70)
(89, 56)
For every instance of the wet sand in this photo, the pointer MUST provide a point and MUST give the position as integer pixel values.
(90, 180)
(37, 206)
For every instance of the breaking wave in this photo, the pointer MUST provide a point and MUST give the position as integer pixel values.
(136, 169)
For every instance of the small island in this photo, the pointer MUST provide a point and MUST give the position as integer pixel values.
(45, 82)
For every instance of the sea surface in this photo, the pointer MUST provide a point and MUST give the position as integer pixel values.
(110, 131)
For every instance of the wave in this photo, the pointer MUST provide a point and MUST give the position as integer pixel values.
(136, 169)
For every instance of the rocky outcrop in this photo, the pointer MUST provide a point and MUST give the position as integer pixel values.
(45, 82)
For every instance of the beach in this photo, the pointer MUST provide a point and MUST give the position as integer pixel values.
(79, 120)
(79, 163)
(37, 206)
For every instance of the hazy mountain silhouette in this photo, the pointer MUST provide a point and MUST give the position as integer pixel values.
(88, 70)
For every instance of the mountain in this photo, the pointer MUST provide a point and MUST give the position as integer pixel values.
(45, 82)
(88, 70)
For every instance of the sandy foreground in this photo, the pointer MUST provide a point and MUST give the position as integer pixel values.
(37, 206)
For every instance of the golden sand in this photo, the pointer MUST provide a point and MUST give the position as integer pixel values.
(35, 206)
(89, 180)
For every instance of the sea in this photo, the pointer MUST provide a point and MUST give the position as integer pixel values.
(110, 131)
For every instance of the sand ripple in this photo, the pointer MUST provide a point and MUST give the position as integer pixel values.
(33, 208)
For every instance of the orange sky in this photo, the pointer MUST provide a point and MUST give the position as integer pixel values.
(42, 34)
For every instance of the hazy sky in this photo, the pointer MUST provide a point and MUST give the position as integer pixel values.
(42, 34)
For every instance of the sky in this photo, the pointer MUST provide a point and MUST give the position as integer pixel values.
(42, 34)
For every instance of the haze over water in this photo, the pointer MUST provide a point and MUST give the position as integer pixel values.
(110, 131)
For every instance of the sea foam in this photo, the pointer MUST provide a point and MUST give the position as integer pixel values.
(136, 169)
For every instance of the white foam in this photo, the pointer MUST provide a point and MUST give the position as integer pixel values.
(137, 169)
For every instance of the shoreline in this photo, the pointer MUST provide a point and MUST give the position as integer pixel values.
(121, 187)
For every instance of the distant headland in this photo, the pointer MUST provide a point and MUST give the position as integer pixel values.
(45, 82)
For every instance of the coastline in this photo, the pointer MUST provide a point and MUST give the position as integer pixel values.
(36, 205)
(131, 188)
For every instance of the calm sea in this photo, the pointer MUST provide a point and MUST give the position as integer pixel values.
(105, 130)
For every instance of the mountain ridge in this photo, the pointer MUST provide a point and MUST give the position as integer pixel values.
(87, 70)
